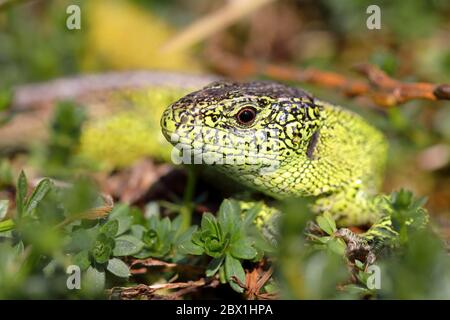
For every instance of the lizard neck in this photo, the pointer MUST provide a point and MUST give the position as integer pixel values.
(343, 167)
(352, 156)
(343, 153)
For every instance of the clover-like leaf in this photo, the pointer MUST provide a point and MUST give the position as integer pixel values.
(21, 192)
(127, 245)
(81, 259)
(243, 249)
(121, 213)
(229, 215)
(214, 266)
(359, 264)
(94, 279)
(209, 225)
(38, 194)
(102, 249)
(402, 199)
(118, 268)
(337, 246)
(214, 246)
(185, 244)
(110, 228)
(234, 268)
(326, 223)
(150, 238)
(158, 244)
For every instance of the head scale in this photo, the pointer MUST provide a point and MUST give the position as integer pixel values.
(249, 129)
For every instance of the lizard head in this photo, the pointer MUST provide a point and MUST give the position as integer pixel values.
(247, 129)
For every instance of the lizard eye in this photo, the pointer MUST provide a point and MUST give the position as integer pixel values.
(246, 115)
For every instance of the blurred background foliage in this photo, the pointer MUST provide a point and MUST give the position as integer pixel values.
(35, 46)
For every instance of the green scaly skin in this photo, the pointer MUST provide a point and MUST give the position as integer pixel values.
(296, 146)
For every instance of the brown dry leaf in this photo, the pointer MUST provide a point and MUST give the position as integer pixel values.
(255, 281)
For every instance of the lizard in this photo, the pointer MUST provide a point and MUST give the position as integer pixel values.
(284, 142)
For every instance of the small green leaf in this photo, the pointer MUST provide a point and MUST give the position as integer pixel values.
(150, 238)
(81, 259)
(122, 214)
(402, 199)
(127, 246)
(337, 246)
(118, 268)
(260, 241)
(177, 226)
(184, 244)
(121, 209)
(209, 224)
(357, 290)
(326, 223)
(214, 247)
(102, 249)
(125, 222)
(137, 230)
(229, 215)
(143, 254)
(190, 248)
(165, 225)
(323, 239)
(242, 249)
(359, 264)
(21, 193)
(94, 279)
(214, 266)
(82, 239)
(38, 194)
(3, 208)
(157, 242)
(222, 276)
(233, 267)
(110, 228)
(230, 207)
(250, 214)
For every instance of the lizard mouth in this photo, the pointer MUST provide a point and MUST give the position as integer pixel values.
(203, 151)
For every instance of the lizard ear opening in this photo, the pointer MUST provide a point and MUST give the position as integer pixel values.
(312, 145)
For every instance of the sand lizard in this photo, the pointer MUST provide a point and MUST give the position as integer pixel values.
(284, 142)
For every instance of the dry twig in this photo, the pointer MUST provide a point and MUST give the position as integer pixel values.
(149, 292)
(213, 22)
(383, 90)
(151, 262)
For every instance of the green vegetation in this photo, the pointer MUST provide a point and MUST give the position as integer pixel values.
(94, 188)
(55, 227)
